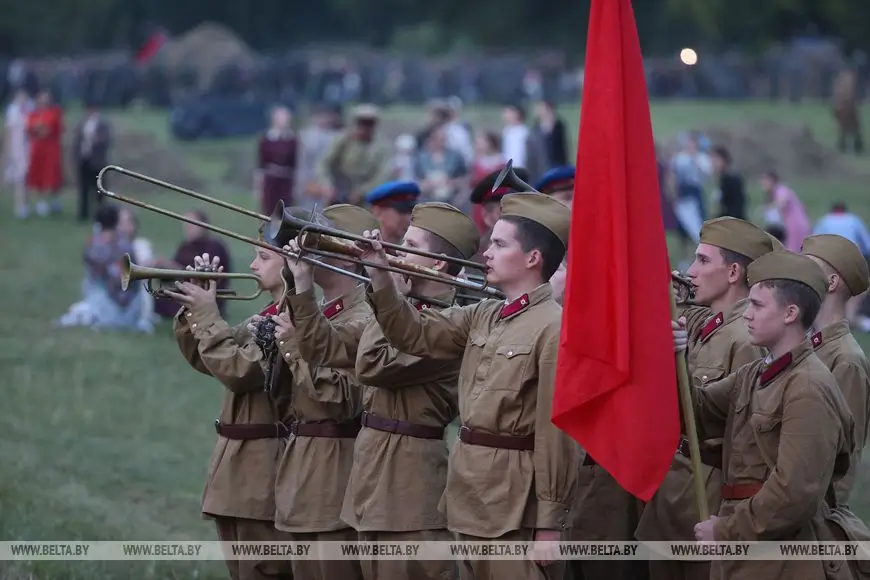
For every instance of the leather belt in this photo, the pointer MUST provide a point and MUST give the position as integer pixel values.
(710, 456)
(250, 431)
(346, 430)
(738, 491)
(475, 437)
(401, 427)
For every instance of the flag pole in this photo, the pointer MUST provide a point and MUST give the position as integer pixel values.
(686, 401)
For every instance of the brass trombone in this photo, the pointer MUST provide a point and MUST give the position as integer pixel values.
(509, 178)
(131, 271)
(329, 242)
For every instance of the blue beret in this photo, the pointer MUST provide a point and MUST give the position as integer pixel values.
(394, 193)
(556, 179)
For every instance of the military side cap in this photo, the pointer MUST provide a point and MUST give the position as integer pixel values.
(540, 208)
(786, 265)
(557, 179)
(352, 219)
(450, 223)
(401, 195)
(738, 236)
(483, 193)
(777, 245)
(843, 256)
(365, 112)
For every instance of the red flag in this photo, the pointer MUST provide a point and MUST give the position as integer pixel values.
(615, 389)
(151, 47)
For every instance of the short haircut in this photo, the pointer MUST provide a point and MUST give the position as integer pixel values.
(722, 152)
(439, 245)
(534, 236)
(107, 216)
(731, 257)
(788, 292)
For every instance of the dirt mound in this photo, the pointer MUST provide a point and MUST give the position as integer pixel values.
(206, 48)
(789, 149)
(142, 153)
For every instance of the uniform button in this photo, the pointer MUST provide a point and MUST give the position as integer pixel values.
(189, 314)
(704, 378)
(510, 353)
(287, 356)
(281, 342)
(193, 325)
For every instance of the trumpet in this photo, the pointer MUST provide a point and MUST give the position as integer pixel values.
(684, 288)
(328, 242)
(131, 271)
(509, 178)
(283, 226)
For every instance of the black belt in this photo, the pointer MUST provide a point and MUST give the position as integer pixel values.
(401, 427)
(710, 456)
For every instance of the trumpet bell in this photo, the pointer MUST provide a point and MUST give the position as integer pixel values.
(131, 271)
(509, 178)
(286, 222)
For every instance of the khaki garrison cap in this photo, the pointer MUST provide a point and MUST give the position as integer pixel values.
(540, 208)
(843, 256)
(786, 265)
(736, 235)
(365, 112)
(777, 245)
(448, 222)
(350, 218)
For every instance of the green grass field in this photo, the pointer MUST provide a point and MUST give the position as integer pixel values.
(107, 436)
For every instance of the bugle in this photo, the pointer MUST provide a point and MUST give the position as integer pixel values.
(509, 178)
(210, 227)
(684, 289)
(328, 242)
(131, 271)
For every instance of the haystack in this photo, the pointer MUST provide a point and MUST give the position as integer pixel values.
(206, 49)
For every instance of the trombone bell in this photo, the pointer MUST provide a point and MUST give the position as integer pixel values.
(509, 178)
(131, 272)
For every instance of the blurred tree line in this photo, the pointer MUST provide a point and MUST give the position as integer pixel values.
(433, 26)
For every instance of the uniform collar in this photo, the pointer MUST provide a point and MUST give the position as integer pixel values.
(335, 307)
(771, 369)
(270, 310)
(446, 297)
(720, 319)
(536, 296)
(830, 333)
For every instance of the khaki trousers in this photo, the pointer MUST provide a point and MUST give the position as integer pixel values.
(326, 569)
(408, 569)
(245, 530)
(508, 569)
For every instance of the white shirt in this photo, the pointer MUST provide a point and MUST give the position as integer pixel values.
(514, 144)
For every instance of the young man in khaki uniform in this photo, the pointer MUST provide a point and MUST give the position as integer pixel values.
(787, 428)
(239, 492)
(320, 407)
(400, 460)
(719, 344)
(512, 474)
(846, 270)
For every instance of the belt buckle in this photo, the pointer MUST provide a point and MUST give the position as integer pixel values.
(464, 429)
(293, 428)
(282, 430)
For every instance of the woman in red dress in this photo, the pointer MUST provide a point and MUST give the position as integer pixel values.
(276, 163)
(45, 174)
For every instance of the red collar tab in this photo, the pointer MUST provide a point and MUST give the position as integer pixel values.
(817, 339)
(270, 310)
(775, 368)
(333, 308)
(519, 304)
(711, 326)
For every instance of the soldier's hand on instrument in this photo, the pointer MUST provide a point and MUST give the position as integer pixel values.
(199, 300)
(284, 328)
(681, 335)
(253, 323)
(302, 271)
(373, 250)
